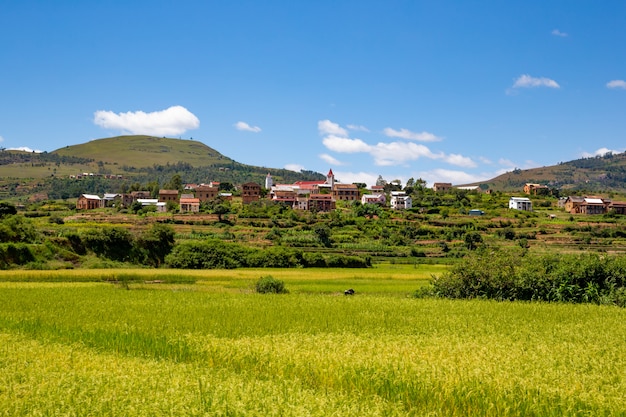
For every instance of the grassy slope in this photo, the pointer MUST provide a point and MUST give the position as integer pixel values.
(144, 151)
(589, 173)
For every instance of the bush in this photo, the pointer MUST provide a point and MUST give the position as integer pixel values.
(270, 285)
(211, 254)
(514, 275)
(15, 254)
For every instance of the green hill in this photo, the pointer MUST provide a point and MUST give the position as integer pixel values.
(146, 151)
(602, 173)
(138, 160)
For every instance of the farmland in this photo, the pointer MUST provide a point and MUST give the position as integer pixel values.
(146, 342)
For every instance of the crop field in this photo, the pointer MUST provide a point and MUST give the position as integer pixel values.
(203, 343)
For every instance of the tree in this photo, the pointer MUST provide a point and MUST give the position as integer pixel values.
(220, 209)
(381, 181)
(472, 240)
(323, 234)
(175, 183)
(7, 209)
(157, 243)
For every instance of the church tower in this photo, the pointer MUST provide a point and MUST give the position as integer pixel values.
(330, 179)
(268, 181)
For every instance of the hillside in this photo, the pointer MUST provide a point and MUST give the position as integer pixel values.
(137, 159)
(603, 173)
(145, 151)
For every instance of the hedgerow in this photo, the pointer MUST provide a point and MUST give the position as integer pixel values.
(211, 254)
(515, 274)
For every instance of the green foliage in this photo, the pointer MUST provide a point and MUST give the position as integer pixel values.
(7, 209)
(513, 274)
(270, 285)
(473, 240)
(15, 254)
(227, 255)
(114, 243)
(16, 228)
(156, 243)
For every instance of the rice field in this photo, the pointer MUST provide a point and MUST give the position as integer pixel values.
(212, 347)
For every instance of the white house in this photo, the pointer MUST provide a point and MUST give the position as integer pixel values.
(520, 203)
(400, 201)
(160, 205)
(373, 199)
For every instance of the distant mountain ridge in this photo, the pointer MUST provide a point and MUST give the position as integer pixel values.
(595, 174)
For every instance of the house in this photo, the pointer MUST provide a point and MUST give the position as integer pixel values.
(168, 195)
(345, 192)
(377, 189)
(520, 203)
(618, 207)
(111, 199)
(572, 204)
(128, 199)
(287, 197)
(189, 204)
(206, 192)
(400, 201)
(89, 202)
(379, 199)
(536, 189)
(250, 192)
(593, 206)
(161, 206)
(442, 187)
(321, 202)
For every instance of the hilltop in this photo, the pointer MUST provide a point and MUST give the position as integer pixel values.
(146, 151)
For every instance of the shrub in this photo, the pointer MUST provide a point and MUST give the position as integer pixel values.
(270, 285)
(15, 254)
(514, 275)
(211, 254)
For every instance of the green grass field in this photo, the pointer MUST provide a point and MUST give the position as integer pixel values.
(211, 346)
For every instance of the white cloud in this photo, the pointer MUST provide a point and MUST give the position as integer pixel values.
(351, 177)
(330, 160)
(526, 81)
(507, 163)
(386, 154)
(452, 176)
(358, 128)
(407, 134)
(460, 160)
(172, 121)
(294, 167)
(25, 149)
(599, 152)
(345, 145)
(484, 160)
(326, 127)
(557, 32)
(1, 139)
(616, 84)
(246, 127)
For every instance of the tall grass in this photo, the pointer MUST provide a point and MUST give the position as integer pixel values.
(96, 349)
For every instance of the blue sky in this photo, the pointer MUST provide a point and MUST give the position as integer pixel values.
(446, 91)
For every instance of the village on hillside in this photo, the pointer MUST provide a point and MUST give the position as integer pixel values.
(322, 196)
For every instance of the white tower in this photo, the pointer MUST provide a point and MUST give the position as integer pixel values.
(268, 182)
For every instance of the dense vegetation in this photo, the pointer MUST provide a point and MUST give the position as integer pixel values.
(515, 274)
